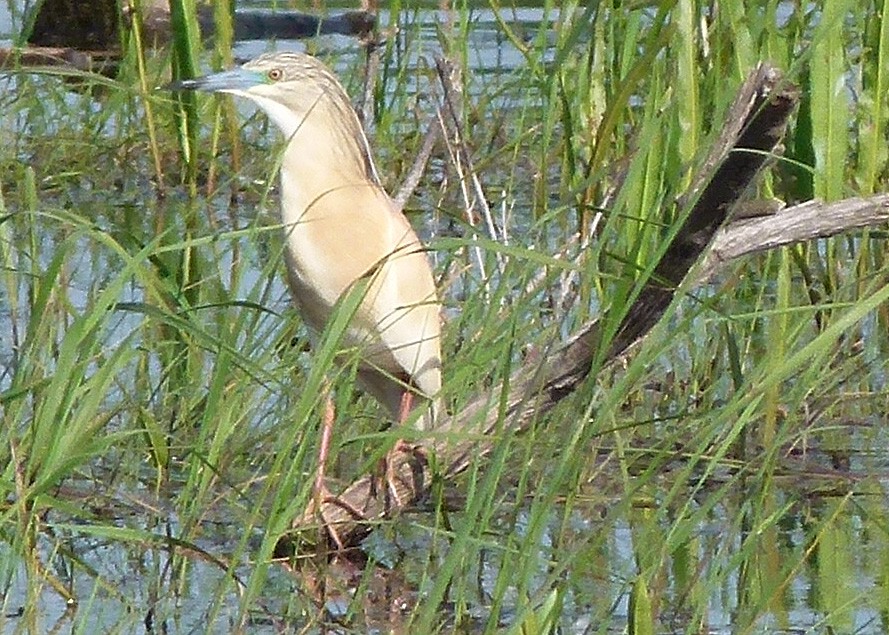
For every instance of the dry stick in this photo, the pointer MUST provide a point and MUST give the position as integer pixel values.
(806, 221)
(461, 179)
(248, 25)
(757, 121)
(104, 62)
(418, 168)
(371, 71)
(447, 73)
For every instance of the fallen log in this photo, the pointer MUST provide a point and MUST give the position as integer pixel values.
(754, 128)
(94, 25)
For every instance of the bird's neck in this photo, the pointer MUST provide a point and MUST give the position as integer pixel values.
(320, 162)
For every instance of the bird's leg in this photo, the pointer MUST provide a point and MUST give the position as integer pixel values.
(321, 495)
(320, 491)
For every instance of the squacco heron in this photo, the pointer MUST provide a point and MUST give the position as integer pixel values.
(342, 227)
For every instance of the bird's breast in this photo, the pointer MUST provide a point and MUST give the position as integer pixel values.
(337, 236)
(326, 256)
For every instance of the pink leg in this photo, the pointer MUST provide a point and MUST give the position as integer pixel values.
(324, 450)
(321, 495)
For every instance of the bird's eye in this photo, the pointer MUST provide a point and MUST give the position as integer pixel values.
(275, 74)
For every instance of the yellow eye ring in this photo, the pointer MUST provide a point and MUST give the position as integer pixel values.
(275, 74)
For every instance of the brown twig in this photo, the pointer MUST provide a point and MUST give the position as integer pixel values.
(104, 62)
(452, 83)
(418, 167)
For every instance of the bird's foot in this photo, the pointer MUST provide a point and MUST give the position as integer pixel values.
(404, 477)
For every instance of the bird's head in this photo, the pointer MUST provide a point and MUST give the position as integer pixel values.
(298, 92)
(287, 86)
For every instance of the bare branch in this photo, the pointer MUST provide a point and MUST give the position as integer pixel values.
(807, 221)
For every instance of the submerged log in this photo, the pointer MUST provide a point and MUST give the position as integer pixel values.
(755, 125)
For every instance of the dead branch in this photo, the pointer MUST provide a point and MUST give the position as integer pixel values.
(800, 223)
(756, 121)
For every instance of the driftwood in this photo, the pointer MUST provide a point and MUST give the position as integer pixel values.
(754, 127)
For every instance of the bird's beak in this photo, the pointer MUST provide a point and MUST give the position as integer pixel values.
(236, 80)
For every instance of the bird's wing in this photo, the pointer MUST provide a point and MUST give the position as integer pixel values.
(357, 234)
(408, 312)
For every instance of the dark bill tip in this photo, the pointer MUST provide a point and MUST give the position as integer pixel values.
(238, 79)
(182, 84)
